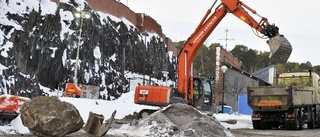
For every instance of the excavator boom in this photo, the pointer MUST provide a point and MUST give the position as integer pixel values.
(280, 47)
(280, 50)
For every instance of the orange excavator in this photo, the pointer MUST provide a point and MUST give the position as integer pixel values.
(9, 107)
(280, 50)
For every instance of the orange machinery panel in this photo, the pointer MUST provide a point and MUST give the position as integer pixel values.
(153, 95)
(72, 89)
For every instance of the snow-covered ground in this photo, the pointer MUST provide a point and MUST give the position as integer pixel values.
(124, 106)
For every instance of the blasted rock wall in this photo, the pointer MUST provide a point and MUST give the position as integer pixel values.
(42, 51)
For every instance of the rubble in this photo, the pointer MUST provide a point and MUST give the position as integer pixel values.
(179, 120)
(95, 125)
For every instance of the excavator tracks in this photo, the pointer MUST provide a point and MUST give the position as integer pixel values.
(9, 107)
(7, 117)
(280, 49)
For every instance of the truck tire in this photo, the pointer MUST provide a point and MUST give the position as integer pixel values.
(312, 122)
(318, 119)
(297, 122)
(301, 119)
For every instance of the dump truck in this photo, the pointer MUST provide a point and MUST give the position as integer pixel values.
(291, 102)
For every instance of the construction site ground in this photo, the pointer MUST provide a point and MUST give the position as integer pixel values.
(235, 132)
(184, 117)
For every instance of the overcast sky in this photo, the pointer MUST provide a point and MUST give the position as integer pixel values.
(298, 22)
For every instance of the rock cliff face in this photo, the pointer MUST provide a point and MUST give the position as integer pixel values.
(38, 46)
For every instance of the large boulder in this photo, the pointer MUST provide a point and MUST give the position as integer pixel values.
(49, 117)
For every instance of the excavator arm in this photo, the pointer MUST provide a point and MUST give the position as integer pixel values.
(280, 48)
(162, 96)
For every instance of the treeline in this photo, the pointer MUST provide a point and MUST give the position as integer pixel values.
(253, 60)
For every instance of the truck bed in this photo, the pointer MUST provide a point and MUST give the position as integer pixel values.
(280, 98)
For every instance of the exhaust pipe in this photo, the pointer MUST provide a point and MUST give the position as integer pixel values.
(280, 49)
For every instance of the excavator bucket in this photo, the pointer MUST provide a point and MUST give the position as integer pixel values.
(95, 125)
(280, 49)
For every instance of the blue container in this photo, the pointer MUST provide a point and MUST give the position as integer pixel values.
(227, 109)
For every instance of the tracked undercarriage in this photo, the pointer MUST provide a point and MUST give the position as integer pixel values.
(9, 107)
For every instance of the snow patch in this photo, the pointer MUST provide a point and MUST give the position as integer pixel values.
(96, 52)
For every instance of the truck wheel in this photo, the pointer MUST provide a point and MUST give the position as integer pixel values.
(301, 119)
(297, 122)
(318, 119)
(312, 123)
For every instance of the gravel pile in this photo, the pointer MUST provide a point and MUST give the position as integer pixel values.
(182, 120)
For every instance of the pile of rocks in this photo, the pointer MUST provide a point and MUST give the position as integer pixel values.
(182, 120)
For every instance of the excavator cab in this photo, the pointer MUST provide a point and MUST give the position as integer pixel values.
(203, 101)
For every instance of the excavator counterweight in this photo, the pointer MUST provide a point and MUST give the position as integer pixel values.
(280, 49)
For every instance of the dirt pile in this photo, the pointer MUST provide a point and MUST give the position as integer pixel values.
(182, 120)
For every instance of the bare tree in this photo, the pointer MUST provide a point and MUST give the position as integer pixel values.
(234, 86)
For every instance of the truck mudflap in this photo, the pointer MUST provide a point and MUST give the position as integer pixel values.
(95, 125)
(280, 49)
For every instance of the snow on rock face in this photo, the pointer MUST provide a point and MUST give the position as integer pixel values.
(39, 42)
(178, 120)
